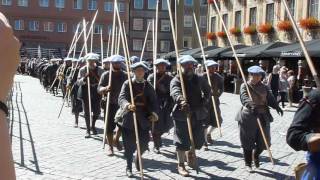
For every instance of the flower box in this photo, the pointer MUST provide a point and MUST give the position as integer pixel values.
(285, 26)
(309, 23)
(265, 28)
(250, 30)
(221, 34)
(211, 35)
(235, 31)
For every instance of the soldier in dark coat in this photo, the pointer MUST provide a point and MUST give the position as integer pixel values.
(304, 134)
(217, 83)
(250, 136)
(72, 86)
(146, 109)
(94, 75)
(63, 75)
(194, 106)
(163, 80)
(118, 77)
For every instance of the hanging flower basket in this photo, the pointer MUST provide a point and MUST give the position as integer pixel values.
(285, 26)
(211, 35)
(265, 28)
(250, 30)
(309, 23)
(221, 34)
(235, 31)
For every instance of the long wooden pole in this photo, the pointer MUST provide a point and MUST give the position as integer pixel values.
(131, 94)
(303, 46)
(243, 77)
(109, 38)
(208, 75)
(113, 28)
(145, 41)
(182, 85)
(101, 46)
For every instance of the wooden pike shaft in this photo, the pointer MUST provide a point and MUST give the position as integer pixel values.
(113, 28)
(131, 93)
(303, 46)
(109, 38)
(145, 41)
(125, 38)
(208, 75)
(243, 78)
(181, 80)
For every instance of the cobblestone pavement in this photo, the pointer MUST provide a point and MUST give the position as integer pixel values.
(45, 147)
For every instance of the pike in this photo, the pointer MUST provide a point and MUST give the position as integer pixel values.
(243, 77)
(303, 46)
(155, 48)
(182, 87)
(131, 92)
(208, 75)
(145, 41)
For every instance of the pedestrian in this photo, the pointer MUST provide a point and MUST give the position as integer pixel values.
(283, 85)
(146, 109)
(304, 134)
(94, 75)
(9, 60)
(292, 81)
(274, 81)
(193, 105)
(163, 79)
(252, 109)
(217, 88)
(118, 77)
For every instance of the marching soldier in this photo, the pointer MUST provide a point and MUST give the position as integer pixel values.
(106, 64)
(194, 106)
(217, 90)
(94, 75)
(250, 136)
(72, 88)
(118, 78)
(163, 80)
(146, 109)
(304, 134)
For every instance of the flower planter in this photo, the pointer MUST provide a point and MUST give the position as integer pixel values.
(310, 23)
(250, 30)
(235, 31)
(265, 28)
(211, 35)
(221, 34)
(285, 26)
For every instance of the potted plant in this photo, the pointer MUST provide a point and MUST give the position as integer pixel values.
(235, 31)
(250, 30)
(285, 26)
(265, 28)
(221, 34)
(211, 36)
(309, 23)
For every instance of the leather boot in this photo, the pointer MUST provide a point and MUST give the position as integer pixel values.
(191, 159)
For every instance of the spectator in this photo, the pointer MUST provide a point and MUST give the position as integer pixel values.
(292, 81)
(283, 86)
(9, 50)
(274, 81)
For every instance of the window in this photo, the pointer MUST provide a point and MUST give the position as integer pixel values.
(44, 3)
(48, 26)
(151, 24)
(164, 46)
(108, 6)
(213, 24)
(291, 4)
(7, 2)
(23, 3)
(188, 2)
(137, 44)
(62, 27)
(203, 2)
(187, 21)
(187, 42)
(225, 20)
(314, 8)
(92, 5)
(164, 5)
(98, 29)
(138, 4)
(253, 16)
(33, 25)
(109, 29)
(203, 21)
(165, 25)
(19, 25)
(59, 3)
(137, 24)
(270, 13)
(237, 19)
(121, 7)
(77, 4)
(149, 45)
(152, 4)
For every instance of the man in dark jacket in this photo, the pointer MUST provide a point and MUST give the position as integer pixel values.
(145, 108)
(193, 106)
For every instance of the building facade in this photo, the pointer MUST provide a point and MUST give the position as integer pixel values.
(51, 24)
(255, 21)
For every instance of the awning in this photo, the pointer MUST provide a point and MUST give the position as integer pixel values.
(192, 52)
(215, 53)
(172, 54)
(252, 52)
(295, 50)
